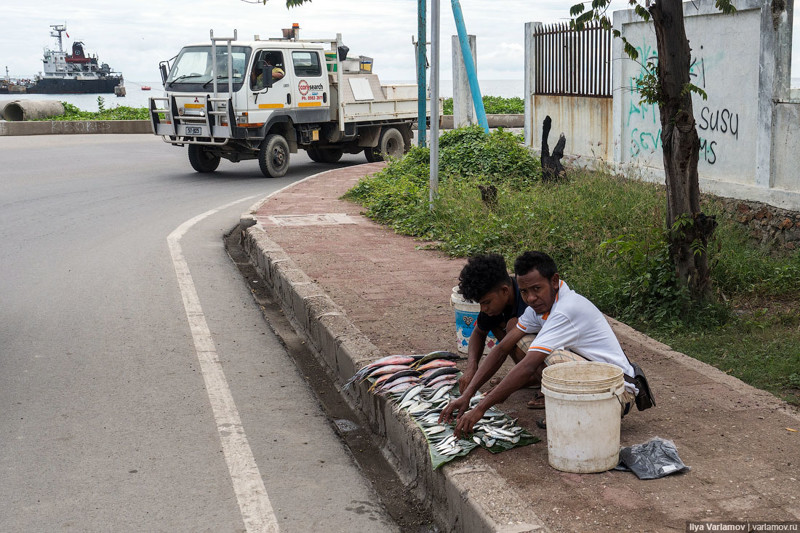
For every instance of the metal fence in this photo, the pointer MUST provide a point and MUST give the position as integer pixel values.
(571, 62)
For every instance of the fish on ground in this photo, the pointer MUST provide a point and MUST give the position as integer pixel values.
(384, 361)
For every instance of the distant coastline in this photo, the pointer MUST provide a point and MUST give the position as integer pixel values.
(137, 98)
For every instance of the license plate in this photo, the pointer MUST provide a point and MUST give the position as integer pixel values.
(193, 130)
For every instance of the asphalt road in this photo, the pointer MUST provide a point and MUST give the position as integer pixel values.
(105, 420)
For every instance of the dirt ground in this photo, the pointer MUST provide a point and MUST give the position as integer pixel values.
(744, 458)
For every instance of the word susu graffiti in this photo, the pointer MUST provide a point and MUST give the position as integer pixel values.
(722, 120)
(643, 118)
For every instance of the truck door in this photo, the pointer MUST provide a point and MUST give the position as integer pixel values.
(263, 100)
(310, 87)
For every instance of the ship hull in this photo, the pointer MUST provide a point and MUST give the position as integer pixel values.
(73, 86)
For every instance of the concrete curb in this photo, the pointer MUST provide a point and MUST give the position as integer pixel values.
(66, 127)
(466, 496)
(494, 121)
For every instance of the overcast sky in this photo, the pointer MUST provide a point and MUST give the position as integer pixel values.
(133, 36)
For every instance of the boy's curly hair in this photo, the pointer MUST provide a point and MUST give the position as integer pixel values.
(481, 274)
(540, 261)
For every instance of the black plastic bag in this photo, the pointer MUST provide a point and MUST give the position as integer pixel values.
(651, 460)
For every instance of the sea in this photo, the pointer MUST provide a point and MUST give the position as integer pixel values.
(136, 97)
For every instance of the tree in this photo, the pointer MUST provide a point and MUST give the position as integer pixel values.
(666, 84)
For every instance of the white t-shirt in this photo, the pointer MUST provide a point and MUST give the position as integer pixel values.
(575, 324)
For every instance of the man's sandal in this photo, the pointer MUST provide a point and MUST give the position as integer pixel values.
(537, 402)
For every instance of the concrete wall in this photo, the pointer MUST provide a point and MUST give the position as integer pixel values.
(62, 127)
(586, 122)
(786, 144)
(725, 55)
(749, 125)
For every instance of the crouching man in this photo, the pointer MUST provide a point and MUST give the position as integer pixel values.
(485, 280)
(568, 327)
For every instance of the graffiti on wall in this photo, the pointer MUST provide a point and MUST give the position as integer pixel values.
(644, 123)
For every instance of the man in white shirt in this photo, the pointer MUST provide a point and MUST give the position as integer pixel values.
(568, 327)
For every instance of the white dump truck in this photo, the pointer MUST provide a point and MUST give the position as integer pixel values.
(267, 99)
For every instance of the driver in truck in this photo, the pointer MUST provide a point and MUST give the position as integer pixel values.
(257, 76)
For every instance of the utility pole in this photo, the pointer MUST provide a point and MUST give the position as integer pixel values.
(434, 177)
(422, 66)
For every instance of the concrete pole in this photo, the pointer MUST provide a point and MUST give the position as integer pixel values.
(463, 114)
(531, 120)
(469, 64)
(434, 176)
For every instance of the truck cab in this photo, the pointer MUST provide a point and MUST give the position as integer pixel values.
(266, 99)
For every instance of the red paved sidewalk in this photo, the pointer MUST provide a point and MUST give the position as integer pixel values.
(745, 464)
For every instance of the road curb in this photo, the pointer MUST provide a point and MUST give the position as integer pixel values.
(466, 496)
(74, 127)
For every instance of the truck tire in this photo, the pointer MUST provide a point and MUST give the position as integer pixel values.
(372, 154)
(324, 155)
(314, 154)
(201, 159)
(391, 144)
(273, 158)
(331, 155)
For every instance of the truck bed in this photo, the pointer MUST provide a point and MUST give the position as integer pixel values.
(365, 99)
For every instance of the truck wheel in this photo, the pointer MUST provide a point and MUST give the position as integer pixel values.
(372, 154)
(391, 144)
(273, 158)
(314, 154)
(201, 159)
(331, 155)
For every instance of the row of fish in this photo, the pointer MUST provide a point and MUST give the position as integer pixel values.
(422, 386)
(398, 373)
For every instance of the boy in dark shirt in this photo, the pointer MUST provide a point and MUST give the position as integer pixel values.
(485, 280)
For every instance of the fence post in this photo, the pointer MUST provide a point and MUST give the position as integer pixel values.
(531, 57)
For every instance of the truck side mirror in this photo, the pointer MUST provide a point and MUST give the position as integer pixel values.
(162, 67)
(343, 52)
(266, 73)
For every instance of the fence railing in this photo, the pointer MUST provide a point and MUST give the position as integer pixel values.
(572, 62)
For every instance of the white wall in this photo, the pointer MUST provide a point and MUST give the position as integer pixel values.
(750, 124)
(725, 56)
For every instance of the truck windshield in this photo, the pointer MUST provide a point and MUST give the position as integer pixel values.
(194, 68)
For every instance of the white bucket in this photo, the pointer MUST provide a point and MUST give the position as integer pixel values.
(583, 408)
(466, 316)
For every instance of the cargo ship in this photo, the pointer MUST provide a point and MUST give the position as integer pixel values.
(75, 73)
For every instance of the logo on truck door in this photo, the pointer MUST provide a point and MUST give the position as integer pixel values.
(303, 87)
(315, 98)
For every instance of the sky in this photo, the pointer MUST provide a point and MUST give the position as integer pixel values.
(133, 36)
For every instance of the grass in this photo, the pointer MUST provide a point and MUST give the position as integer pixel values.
(606, 234)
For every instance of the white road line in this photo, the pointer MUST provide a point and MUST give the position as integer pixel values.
(248, 485)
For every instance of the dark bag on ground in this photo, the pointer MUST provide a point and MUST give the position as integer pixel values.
(653, 459)
(645, 398)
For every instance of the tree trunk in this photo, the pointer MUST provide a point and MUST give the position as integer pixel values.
(681, 148)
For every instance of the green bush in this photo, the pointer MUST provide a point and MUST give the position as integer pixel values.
(71, 112)
(493, 105)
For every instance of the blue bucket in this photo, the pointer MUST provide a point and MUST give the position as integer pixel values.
(466, 312)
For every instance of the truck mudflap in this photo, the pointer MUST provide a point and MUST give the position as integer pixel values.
(193, 120)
